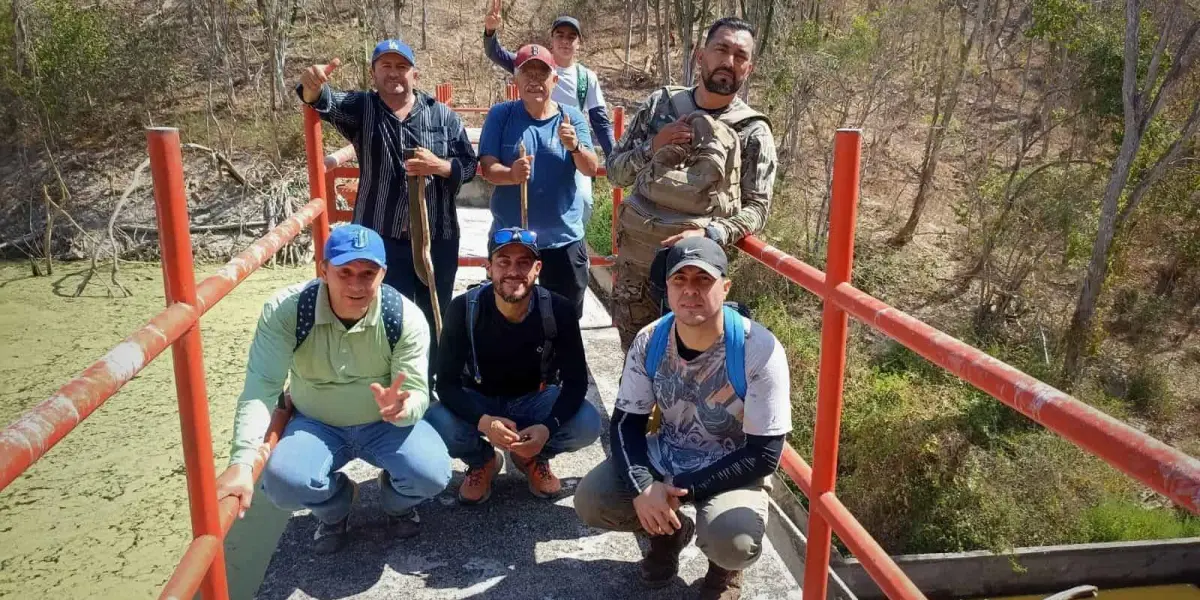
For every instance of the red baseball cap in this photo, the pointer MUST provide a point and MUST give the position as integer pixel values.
(530, 52)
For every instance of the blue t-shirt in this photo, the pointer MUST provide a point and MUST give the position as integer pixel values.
(556, 201)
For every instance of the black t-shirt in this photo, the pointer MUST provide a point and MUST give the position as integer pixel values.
(687, 354)
(509, 356)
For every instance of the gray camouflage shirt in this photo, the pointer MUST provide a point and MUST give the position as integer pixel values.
(632, 153)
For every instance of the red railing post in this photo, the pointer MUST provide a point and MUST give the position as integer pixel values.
(170, 205)
(839, 261)
(618, 194)
(314, 148)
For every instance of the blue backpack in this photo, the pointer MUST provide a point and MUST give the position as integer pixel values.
(549, 329)
(735, 347)
(392, 312)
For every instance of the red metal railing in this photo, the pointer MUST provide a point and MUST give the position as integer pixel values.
(1163, 468)
(202, 567)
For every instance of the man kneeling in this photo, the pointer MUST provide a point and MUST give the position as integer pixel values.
(512, 374)
(343, 338)
(721, 382)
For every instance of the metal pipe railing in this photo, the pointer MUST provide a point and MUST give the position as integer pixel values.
(179, 281)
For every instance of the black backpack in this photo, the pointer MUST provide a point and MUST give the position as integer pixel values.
(392, 308)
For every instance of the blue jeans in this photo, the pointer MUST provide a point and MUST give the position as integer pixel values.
(464, 441)
(303, 469)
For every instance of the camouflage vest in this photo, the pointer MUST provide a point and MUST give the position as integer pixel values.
(700, 181)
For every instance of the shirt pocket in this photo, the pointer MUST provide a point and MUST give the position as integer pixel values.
(436, 139)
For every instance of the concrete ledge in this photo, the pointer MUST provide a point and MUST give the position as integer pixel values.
(1044, 569)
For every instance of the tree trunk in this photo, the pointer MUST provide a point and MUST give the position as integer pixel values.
(685, 14)
(424, 24)
(20, 49)
(629, 32)
(939, 125)
(1140, 108)
(645, 23)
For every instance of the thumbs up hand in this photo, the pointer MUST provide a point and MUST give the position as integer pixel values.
(316, 76)
(566, 133)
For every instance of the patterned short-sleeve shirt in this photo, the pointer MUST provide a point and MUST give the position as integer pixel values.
(702, 417)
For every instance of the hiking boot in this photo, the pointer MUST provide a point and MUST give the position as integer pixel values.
(331, 537)
(404, 525)
(720, 584)
(476, 488)
(542, 483)
(661, 563)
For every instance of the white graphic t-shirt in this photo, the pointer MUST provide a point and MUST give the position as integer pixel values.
(702, 417)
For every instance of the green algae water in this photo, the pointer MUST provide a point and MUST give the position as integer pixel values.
(104, 514)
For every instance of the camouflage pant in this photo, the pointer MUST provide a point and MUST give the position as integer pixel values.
(638, 238)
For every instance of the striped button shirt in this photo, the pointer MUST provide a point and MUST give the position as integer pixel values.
(380, 139)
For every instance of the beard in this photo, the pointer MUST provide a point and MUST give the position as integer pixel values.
(719, 87)
(523, 290)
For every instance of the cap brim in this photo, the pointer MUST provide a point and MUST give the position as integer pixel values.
(411, 61)
(567, 24)
(536, 59)
(533, 249)
(700, 264)
(353, 256)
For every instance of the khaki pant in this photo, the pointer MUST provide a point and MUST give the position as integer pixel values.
(729, 526)
(638, 238)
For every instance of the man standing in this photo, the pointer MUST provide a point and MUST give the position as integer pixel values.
(559, 146)
(399, 132)
(726, 61)
(356, 352)
(578, 86)
(721, 382)
(512, 374)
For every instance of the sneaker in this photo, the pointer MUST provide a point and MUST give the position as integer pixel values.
(331, 537)
(542, 483)
(720, 584)
(476, 488)
(404, 525)
(661, 563)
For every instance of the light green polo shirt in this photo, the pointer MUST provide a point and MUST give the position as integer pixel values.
(331, 372)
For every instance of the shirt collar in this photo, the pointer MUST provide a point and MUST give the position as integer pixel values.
(326, 316)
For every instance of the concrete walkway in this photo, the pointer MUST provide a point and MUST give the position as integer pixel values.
(515, 545)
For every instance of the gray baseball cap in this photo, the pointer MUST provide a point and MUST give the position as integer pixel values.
(699, 252)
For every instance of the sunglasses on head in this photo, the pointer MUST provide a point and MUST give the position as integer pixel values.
(505, 236)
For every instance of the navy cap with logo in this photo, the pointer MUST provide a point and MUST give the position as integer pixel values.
(393, 47)
(571, 22)
(354, 242)
(513, 235)
(699, 252)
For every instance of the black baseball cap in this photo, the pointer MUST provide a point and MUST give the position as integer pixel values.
(513, 235)
(700, 252)
(565, 20)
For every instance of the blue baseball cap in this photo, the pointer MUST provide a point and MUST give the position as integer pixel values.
(393, 47)
(354, 242)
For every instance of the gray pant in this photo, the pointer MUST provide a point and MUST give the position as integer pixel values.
(729, 525)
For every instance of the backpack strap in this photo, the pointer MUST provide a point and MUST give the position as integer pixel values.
(581, 87)
(306, 311)
(391, 310)
(391, 313)
(550, 331)
(657, 346)
(735, 350)
(473, 295)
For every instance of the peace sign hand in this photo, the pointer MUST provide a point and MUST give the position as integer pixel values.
(393, 403)
(493, 20)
